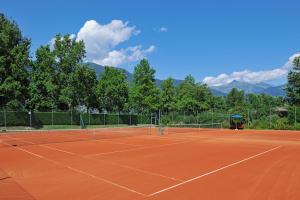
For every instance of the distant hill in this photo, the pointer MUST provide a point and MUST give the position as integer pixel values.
(99, 69)
(221, 90)
(276, 90)
(258, 88)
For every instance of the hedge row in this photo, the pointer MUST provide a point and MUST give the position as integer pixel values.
(39, 119)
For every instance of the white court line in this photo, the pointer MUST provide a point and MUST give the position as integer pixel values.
(21, 149)
(113, 163)
(78, 171)
(150, 147)
(124, 166)
(56, 149)
(214, 171)
(79, 139)
(19, 139)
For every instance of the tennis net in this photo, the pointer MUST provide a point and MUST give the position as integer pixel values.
(191, 128)
(22, 138)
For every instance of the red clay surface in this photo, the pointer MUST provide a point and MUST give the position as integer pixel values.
(131, 164)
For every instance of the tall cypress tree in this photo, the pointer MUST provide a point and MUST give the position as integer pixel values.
(144, 93)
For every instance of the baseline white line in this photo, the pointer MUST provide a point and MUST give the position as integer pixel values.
(214, 171)
(21, 149)
(116, 164)
(77, 170)
(79, 139)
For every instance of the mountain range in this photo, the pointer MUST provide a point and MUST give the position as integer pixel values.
(221, 90)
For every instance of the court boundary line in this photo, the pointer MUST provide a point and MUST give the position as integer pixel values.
(214, 171)
(78, 171)
(113, 163)
(141, 148)
(87, 140)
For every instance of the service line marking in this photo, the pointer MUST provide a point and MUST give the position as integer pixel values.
(148, 147)
(214, 171)
(77, 170)
(113, 163)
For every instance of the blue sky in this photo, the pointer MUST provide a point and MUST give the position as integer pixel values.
(213, 40)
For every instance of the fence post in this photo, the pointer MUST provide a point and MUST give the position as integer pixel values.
(119, 118)
(295, 117)
(89, 117)
(212, 117)
(30, 123)
(71, 117)
(5, 119)
(270, 117)
(104, 119)
(248, 118)
(52, 118)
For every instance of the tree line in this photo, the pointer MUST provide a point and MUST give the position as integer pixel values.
(57, 78)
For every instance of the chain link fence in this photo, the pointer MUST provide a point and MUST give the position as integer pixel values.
(279, 118)
(66, 120)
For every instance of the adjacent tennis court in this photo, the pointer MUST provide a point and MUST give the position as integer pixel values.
(138, 163)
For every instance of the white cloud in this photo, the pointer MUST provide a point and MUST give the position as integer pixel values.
(101, 42)
(250, 76)
(163, 29)
(130, 54)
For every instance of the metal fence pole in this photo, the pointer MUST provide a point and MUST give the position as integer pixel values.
(30, 122)
(248, 118)
(103, 118)
(52, 118)
(89, 112)
(118, 118)
(270, 125)
(5, 119)
(295, 117)
(129, 119)
(212, 117)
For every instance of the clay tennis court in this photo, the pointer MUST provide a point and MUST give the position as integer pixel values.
(130, 163)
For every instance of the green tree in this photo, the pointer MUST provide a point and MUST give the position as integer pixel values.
(235, 100)
(144, 93)
(69, 53)
(293, 86)
(112, 89)
(193, 97)
(14, 63)
(83, 84)
(168, 95)
(43, 88)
